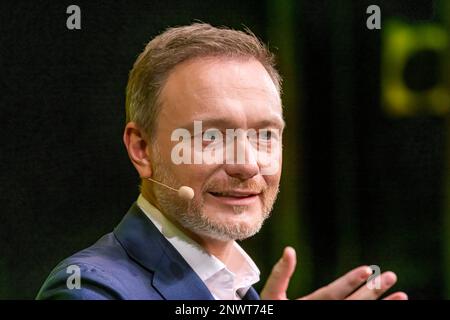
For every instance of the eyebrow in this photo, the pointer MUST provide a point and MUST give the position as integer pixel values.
(207, 122)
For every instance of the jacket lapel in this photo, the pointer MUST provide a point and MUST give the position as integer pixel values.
(251, 295)
(173, 278)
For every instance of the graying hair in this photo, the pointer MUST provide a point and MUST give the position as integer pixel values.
(179, 44)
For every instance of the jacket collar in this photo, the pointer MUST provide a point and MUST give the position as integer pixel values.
(173, 278)
(251, 295)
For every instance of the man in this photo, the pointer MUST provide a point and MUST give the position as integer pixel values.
(205, 115)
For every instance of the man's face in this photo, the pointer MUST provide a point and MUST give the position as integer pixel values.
(232, 198)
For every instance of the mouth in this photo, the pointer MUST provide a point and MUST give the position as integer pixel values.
(235, 197)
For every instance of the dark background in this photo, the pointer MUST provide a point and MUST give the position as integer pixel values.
(360, 185)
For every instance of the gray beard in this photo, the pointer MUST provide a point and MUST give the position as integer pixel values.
(191, 215)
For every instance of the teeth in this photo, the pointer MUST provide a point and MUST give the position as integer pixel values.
(221, 194)
(225, 194)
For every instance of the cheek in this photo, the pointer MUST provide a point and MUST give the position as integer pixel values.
(272, 182)
(281, 164)
(192, 175)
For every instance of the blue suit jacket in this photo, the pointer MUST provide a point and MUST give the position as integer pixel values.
(133, 262)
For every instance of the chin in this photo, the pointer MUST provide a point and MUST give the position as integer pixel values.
(234, 212)
(230, 232)
(238, 225)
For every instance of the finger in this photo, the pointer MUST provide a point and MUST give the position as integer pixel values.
(375, 287)
(397, 296)
(342, 287)
(278, 281)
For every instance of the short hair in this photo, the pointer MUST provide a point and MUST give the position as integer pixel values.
(176, 45)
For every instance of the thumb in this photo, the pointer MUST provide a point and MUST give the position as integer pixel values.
(278, 281)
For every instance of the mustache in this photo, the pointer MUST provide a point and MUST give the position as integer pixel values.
(233, 184)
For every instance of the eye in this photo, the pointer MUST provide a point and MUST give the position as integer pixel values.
(265, 134)
(211, 135)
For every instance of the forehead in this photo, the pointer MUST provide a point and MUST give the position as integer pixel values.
(221, 88)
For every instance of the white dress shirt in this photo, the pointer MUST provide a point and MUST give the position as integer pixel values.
(218, 277)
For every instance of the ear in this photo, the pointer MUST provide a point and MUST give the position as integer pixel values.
(138, 149)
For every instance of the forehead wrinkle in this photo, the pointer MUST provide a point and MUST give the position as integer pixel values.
(207, 99)
(207, 91)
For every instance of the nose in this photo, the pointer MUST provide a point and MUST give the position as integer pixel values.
(243, 163)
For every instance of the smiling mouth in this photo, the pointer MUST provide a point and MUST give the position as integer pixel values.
(235, 194)
(240, 197)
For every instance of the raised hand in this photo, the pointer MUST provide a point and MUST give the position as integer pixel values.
(348, 287)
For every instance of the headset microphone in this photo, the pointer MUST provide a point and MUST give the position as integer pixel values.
(184, 192)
